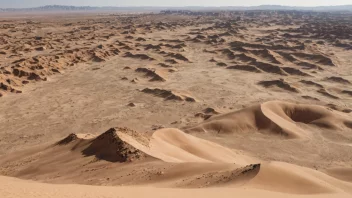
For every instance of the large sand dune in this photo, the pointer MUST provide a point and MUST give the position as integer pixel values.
(179, 160)
(275, 117)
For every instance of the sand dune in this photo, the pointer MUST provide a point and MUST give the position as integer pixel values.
(169, 145)
(273, 117)
(177, 146)
(206, 164)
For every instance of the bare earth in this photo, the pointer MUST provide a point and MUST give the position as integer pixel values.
(200, 104)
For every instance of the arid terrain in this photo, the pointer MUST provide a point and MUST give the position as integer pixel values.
(176, 104)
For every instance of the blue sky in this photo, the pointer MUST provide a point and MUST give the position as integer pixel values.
(35, 3)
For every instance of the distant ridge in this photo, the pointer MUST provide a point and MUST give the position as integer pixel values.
(154, 8)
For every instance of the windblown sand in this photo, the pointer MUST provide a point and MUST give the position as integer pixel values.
(182, 104)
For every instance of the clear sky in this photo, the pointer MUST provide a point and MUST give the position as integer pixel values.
(35, 3)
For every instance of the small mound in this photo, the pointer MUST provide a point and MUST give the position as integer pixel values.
(172, 40)
(221, 64)
(212, 60)
(139, 56)
(162, 52)
(327, 94)
(308, 65)
(126, 47)
(245, 68)
(179, 46)
(210, 110)
(172, 61)
(41, 48)
(269, 68)
(151, 46)
(320, 59)
(169, 95)
(131, 104)
(177, 56)
(199, 36)
(209, 51)
(287, 56)
(266, 55)
(203, 116)
(279, 83)
(164, 65)
(338, 80)
(70, 138)
(339, 108)
(141, 39)
(195, 40)
(293, 71)
(308, 82)
(207, 113)
(310, 98)
(241, 57)
(135, 80)
(347, 92)
(153, 73)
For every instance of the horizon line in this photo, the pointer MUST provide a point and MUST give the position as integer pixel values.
(165, 6)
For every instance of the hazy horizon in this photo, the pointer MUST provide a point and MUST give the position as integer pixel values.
(170, 3)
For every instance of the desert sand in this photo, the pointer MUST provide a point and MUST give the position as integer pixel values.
(178, 103)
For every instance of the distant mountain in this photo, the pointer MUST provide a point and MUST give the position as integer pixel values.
(151, 8)
(318, 8)
(52, 8)
(78, 8)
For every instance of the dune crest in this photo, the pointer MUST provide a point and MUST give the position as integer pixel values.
(173, 145)
(169, 145)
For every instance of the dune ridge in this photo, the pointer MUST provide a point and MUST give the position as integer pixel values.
(274, 117)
